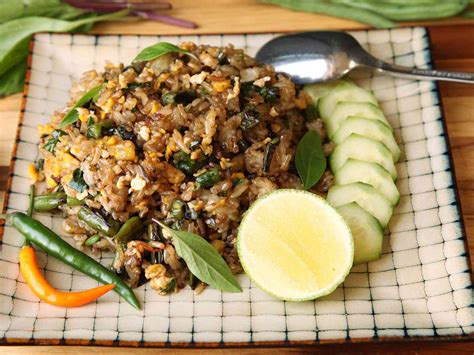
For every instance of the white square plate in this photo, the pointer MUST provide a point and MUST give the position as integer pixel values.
(420, 287)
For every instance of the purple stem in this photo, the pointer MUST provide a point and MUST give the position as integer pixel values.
(164, 18)
(111, 6)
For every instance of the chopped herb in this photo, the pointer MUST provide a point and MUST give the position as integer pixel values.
(125, 134)
(250, 118)
(39, 164)
(310, 113)
(236, 182)
(183, 162)
(167, 99)
(270, 94)
(131, 86)
(170, 287)
(50, 145)
(90, 121)
(77, 182)
(243, 145)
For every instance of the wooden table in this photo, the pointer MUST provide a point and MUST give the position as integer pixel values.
(453, 49)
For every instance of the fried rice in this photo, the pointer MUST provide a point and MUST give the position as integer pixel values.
(189, 141)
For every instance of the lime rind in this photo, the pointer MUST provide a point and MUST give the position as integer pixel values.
(335, 216)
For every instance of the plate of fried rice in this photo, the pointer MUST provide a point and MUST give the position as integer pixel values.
(122, 151)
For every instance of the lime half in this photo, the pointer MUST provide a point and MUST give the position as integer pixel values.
(294, 245)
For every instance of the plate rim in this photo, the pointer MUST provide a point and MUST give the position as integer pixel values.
(249, 344)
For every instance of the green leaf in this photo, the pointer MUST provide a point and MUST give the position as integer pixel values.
(16, 34)
(203, 260)
(157, 50)
(13, 80)
(77, 182)
(310, 160)
(10, 10)
(72, 116)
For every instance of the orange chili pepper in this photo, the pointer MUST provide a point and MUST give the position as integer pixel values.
(41, 288)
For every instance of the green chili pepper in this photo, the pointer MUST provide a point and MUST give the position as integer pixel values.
(92, 240)
(133, 226)
(209, 178)
(72, 202)
(48, 202)
(96, 221)
(177, 209)
(55, 246)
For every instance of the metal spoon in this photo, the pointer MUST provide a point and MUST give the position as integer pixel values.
(312, 57)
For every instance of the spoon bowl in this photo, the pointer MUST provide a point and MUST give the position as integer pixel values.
(318, 56)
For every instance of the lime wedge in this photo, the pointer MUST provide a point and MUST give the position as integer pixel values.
(294, 245)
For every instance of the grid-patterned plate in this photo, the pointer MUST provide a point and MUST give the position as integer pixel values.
(420, 287)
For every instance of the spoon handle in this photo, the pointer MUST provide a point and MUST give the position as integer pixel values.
(425, 74)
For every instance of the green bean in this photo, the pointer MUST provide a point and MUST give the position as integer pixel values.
(31, 200)
(133, 226)
(95, 129)
(335, 10)
(96, 221)
(92, 240)
(72, 202)
(408, 12)
(209, 178)
(48, 202)
(177, 209)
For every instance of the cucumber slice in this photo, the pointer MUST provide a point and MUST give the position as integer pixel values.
(369, 128)
(366, 232)
(316, 91)
(345, 91)
(362, 148)
(369, 173)
(346, 109)
(366, 197)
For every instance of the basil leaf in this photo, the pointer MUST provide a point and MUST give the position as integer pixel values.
(10, 10)
(203, 260)
(77, 182)
(15, 34)
(310, 160)
(13, 80)
(157, 50)
(72, 116)
(50, 145)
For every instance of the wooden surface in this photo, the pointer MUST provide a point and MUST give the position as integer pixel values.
(453, 49)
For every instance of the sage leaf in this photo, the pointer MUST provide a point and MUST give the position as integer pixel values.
(310, 160)
(158, 50)
(203, 260)
(72, 116)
